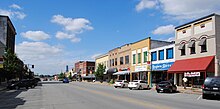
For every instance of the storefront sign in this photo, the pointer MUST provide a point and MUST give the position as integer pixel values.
(162, 66)
(142, 68)
(191, 74)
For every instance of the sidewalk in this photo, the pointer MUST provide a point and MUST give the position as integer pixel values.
(3, 86)
(188, 90)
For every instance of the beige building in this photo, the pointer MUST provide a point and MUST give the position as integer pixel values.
(102, 59)
(123, 65)
(197, 50)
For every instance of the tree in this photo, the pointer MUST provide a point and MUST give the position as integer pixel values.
(61, 76)
(70, 76)
(99, 72)
(12, 65)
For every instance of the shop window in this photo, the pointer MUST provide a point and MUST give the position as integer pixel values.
(121, 60)
(127, 59)
(182, 49)
(145, 56)
(134, 58)
(203, 45)
(169, 53)
(161, 54)
(115, 61)
(192, 47)
(139, 58)
(154, 56)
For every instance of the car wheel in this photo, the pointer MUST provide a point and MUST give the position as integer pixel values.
(140, 87)
(130, 88)
(158, 91)
(123, 86)
(26, 87)
(115, 87)
(32, 86)
(204, 96)
(171, 90)
(16, 87)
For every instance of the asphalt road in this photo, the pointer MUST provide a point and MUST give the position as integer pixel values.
(80, 95)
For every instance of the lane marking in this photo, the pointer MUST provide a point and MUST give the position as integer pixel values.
(126, 99)
(199, 97)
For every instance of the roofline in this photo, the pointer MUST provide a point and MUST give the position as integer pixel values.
(214, 14)
(102, 55)
(10, 22)
(141, 40)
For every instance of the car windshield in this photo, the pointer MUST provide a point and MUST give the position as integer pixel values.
(119, 81)
(215, 81)
(135, 81)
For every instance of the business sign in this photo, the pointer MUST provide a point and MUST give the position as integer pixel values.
(191, 74)
(162, 66)
(142, 68)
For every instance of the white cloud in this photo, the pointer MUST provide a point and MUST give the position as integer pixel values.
(168, 29)
(15, 6)
(143, 4)
(13, 13)
(35, 35)
(71, 27)
(72, 37)
(186, 9)
(170, 39)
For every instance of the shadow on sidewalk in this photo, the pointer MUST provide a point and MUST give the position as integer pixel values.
(9, 99)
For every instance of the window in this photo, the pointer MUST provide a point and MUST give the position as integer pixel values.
(192, 47)
(182, 49)
(115, 61)
(161, 54)
(154, 56)
(184, 31)
(121, 60)
(139, 58)
(169, 53)
(202, 25)
(134, 58)
(203, 45)
(145, 56)
(112, 62)
(127, 59)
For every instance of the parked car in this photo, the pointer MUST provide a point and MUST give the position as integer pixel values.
(211, 87)
(121, 83)
(24, 83)
(65, 80)
(138, 84)
(166, 86)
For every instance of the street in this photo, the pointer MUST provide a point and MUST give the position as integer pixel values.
(82, 95)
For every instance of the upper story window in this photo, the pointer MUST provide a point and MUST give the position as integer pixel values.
(184, 31)
(182, 48)
(139, 58)
(145, 56)
(112, 62)
(202, 25)
(192, 47)
(115, 61)
(154, 56)
(169, 53)
(121, 60)
(161, 54)
(203, 45)
(127, 59)
(134, 58)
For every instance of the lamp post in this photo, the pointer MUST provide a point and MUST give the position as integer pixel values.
(149, 72)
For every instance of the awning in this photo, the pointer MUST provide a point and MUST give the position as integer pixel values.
(202, 42)
(181, 47)
(122, 73)
(112, 70)
(191, 44)
(193, 65)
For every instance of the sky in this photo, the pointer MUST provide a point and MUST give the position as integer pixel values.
(54, 33)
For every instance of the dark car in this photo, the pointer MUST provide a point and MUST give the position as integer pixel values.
(166, 86)
(211, 87)
(65, 80)
(24, 83)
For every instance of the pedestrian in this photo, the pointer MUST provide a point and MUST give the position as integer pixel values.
(184, 82)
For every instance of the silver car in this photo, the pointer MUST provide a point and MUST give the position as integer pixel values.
(138, 84)
(121, 83)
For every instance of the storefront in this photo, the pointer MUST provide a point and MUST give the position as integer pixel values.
(159, 72)
(141, 72)
(109, 74)
(195, 70)
(123, 75)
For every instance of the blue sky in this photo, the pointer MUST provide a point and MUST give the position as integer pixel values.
(54, 33)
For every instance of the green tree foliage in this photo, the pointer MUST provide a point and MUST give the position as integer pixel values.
(70, 76)
(12, 64)
(99, 72)
(61, 76)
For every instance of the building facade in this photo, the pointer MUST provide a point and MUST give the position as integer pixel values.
(123, 65)
(85, 69)
(162, 59)
(102, 59)
(197, 50)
